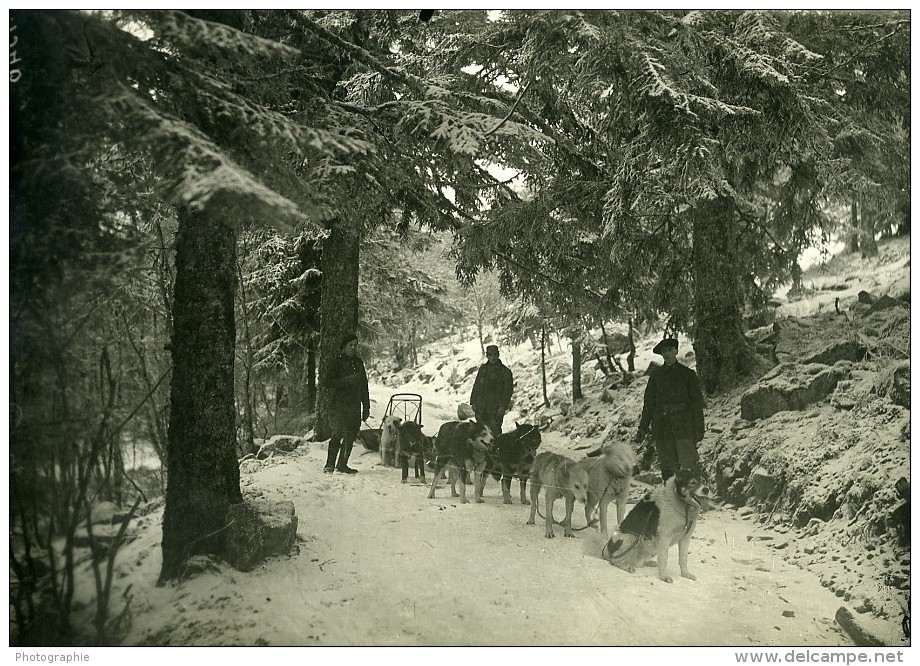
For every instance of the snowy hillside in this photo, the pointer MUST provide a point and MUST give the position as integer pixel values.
(377, 563)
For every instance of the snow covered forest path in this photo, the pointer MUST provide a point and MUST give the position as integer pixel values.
(405, 570)
(378, 564)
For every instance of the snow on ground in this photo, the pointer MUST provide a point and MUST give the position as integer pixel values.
(380, 564)
(376, 563)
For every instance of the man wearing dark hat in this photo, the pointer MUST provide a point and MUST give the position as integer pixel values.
(350, 404)
(491, 396)
(674, 409)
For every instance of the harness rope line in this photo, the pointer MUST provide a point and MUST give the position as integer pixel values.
(595, 517)
(639, 538)
(530, 431)
(490, 451)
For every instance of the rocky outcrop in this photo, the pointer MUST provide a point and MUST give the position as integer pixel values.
(839, 350)
(279, 444)
(105, 537)
(465, 411)
(866, 298)
(259, 529)
(764, 334)
(792, 336)
(894, 383)
(790, 386)
(762, 482)
(560, 370)
(886, 332)
(860, 634)
(104, 513)
(886, 302)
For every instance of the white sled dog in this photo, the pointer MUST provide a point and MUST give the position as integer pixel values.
(609, 478)
(389, 434)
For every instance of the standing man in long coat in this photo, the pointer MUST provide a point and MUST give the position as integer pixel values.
(351, 404)
(491, 396)
(673, 408)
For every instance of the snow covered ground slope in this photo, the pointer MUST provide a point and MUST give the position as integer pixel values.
(380, 564)
(377, 563)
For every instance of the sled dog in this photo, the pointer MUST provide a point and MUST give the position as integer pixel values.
(389, 433)
(559, 477)
(666, 516)
(511, 456)
(411, 442)
(463, 445)
(609, 478)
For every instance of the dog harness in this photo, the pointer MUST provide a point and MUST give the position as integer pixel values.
(693, 503)
(645, 530)
(608, 552)
(608, 555)
(597, 508)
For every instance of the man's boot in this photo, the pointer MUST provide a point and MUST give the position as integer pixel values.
(344, 453)
(330, 456)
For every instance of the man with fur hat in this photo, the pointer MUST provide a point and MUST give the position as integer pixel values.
(350, 404)
(491, 396)
(673, 408)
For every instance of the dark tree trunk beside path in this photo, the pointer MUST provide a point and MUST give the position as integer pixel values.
(576, 368)
(339, 310)
(723, 354)
(203, 473)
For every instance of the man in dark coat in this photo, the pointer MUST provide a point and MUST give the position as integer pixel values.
(491, 396)
(674, 410)
(350, 404)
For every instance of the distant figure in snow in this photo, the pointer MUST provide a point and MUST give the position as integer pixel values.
(351, 404)
(673, 408)
(491, 396)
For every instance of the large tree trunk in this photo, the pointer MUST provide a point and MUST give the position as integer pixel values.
(413, 349)
(631, 359)
(606, 347)
(311, 376)
(854, 226)
(723, 354)
(904, 218)
(248, 397)
(482, 344)
(543, 364)
(338, 313)
(870, 212)
(576, 369)
(203, 474)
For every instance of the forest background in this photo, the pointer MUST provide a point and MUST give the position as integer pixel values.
(202, 202)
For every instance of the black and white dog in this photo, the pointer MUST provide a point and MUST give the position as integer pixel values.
(411, 442)
(511, 456)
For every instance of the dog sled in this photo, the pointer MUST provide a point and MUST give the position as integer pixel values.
(407, 406)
